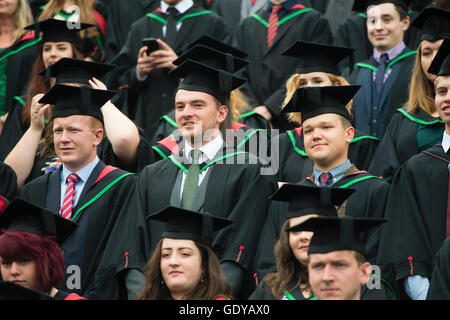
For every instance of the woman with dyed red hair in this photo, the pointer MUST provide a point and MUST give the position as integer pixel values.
(30, 255)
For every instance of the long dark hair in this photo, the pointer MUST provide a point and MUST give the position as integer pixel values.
(290, 274)
(213, 285)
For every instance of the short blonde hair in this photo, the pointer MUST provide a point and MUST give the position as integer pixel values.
(293, 84)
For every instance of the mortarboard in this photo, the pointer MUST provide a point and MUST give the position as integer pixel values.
(57, 30)
(200, 77)
(211, 57)
(434, 24)
(207, 41)
(314, 101)
(337, 233)
(71, 100)
(306, 199)
(12, 291)
(317, 57)
(402, 3)
(22, 215)
(68, 70)
(440, 65)
(189, 225)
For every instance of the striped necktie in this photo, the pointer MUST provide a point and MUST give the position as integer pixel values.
(273, 24)
(191, 183)
(69, 196)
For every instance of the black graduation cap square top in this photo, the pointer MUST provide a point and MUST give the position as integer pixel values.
(213, 58)
(317, 57)
(54, 30)
(22, 215)
(207, 41)
(72, 100)
(441, 62)
(337, 233)
(68, 70)
(402, 3)
(434, 24)
(12, 292)
(314, 101)
(305, 199)
(200, 77)
(189, 225)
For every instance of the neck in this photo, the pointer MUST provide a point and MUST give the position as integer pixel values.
(447, 128)
(326, 167)
(7, 26)
(196, 142)
(53, 292)
(277, 1)
(177, 295)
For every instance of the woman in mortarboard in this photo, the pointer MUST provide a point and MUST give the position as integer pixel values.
(30, 255)
(290, 279)
(17, 51)
(82, 11)
(417, 126)
(184, 265)
(317, 66)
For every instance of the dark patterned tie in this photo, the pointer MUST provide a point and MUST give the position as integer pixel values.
(325, 179)
(379, 78)
(191, 183)
(171, 27)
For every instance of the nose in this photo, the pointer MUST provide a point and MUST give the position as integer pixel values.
(173, 260)
(15, 268)
(328, 274)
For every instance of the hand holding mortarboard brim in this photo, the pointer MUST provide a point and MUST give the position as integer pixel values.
(68, 70)
(315, 101)
(58, 30)
(22, 215)
(317, 57)
(305, 199)
(189, 225)
(11, 291)
(334, 233)
(440, 65)
(72, 100)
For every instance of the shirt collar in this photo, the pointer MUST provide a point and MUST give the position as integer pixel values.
(446, 142)
(209, 150)
(83, 173)
(392, 54)
(337, 172)
(287, 5)
(182, 6)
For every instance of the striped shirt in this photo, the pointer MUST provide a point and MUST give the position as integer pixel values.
(337, 172)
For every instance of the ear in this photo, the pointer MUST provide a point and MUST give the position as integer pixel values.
(222, 114)
(365, 271)
(406, 23)
(349, 134)
(98, 134)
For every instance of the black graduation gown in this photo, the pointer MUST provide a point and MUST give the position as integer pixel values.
(262, 293)
(8, 185)
(268, 69)
(235, 191)
(399, 142)
(20, 57)
(119, 24)
(95, 212)
(150, 99)
(440, 280)
(230, 11)
(294, 164)
(373, 111)
(367, 202)
(417, 208)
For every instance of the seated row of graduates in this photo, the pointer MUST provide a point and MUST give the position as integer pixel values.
(238, 251)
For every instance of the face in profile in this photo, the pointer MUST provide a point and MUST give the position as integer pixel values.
(337, 275)
(181, 266)
(428, 51)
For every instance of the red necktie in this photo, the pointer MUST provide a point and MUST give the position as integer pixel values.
(325, 179)
(69, 196)
(254, 1)
(273, 24)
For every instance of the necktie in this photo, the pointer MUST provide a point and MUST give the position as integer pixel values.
(69, 196)
(379, 78)
(325, 179)
(273, 24)
(191, 182)
(171, 27)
